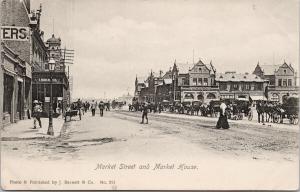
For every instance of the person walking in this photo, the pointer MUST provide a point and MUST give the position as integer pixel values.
(101, 107)
(37, 110)
(145, 113)
(222, 122)
(93, 107)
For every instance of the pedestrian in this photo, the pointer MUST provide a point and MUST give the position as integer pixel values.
(145, 113)
(222, 122)
(93, 107)
(101, 107)
(37, 110)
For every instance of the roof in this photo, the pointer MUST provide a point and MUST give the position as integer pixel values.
(184, 67)
(167, 75)
(141, 79)
(238, 77)
(53, 39)
(168, 81)
(269, 69)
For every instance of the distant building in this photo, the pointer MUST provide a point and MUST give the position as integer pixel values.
(239, 86)
(282, 80)
(198, 84)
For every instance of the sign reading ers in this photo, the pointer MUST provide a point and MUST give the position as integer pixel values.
(14, 33)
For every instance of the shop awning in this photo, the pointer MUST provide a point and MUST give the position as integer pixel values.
(258, 97)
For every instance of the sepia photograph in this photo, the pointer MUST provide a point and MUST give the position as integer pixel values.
(149, 95)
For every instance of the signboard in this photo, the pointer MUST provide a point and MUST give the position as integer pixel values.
(47, 99)
(14, 33)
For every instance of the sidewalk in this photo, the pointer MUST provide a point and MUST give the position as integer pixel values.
(24, 129)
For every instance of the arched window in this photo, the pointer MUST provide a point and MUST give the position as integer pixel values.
(189, 96)
(211, 96)
(200, 97)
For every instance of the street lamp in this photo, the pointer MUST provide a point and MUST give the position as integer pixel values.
(51, 69)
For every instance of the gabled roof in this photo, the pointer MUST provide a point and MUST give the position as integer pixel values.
(269, 69)
(288, 66)
(238, 77)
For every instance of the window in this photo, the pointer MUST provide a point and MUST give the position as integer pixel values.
(284, 83)
(211, 96)
(46, 66)
(247, 86)
(279, 82)
(200, 70)
(199, 81)
(234, 86)
(194, 81)
(284, 71)
(223, 86)
(205, 81)
(289, 82)
(189, 96)
(259, 86)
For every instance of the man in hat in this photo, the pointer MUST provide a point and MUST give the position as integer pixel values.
(37, 110)
(145, 112)
(222, 122)
(101, 107)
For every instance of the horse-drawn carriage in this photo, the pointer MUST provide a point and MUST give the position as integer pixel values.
(73, 110)
(288, 109)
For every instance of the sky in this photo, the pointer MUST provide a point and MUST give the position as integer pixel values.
(115, 40)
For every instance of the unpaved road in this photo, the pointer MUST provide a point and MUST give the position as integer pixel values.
(247, 156)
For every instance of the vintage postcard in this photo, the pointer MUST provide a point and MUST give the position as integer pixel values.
(149, 95)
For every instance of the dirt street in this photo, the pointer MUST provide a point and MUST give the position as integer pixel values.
(231, 159)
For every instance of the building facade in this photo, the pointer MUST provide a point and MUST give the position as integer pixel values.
(198, 84)
(60, 82)
(15, 79)
(246, 86)
(282, 80)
